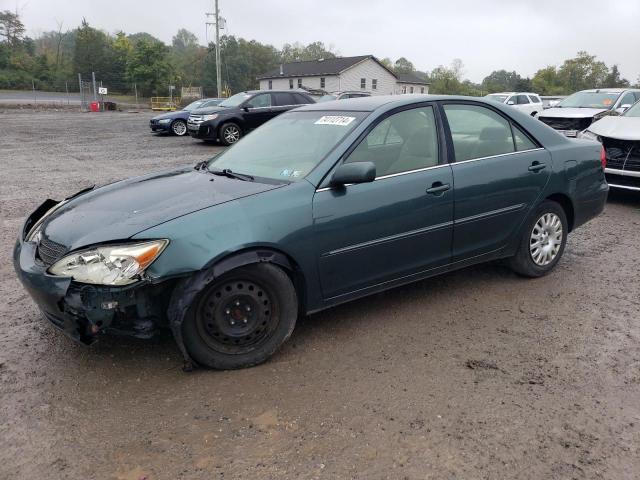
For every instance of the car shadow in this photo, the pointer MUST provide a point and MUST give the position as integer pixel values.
(624, 197)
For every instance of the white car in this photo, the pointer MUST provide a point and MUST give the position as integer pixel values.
(578, 111)
(524, 101)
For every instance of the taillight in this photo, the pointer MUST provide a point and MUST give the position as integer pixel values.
(603, 158)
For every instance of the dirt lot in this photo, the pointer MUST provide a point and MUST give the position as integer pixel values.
(478, 374)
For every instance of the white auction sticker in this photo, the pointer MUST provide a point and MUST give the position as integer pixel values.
(335, 120)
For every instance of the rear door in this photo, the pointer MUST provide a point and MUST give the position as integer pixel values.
(499, 173)
(398, 226)
(524, 104)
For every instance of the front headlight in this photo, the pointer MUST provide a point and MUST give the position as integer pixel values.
(588, 135)
(165, 120)
(206, 118)
(110, 264)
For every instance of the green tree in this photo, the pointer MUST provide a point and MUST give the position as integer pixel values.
(583, 72)
(614, 79)
(546, 81)
(402, 65)
(149, 67)
(11, 28)
(296, 52)
(93, 52)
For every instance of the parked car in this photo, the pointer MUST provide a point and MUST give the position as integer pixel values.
(241, 113)
(526, 102)
(322, 205)
(576, 112)
(620, 136)
(176, 122)
(342, 96)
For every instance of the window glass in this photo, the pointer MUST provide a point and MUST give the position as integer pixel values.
(299, 83)
(535, 99)
(260, 101)
(478, 132)
(291, 83)
(300, 99)
(411, 90)
(322, 82)
(522, 100)
(284, 99)
(421, 89)
(270, 85)
(628, 99)
(363, 83)
(374, 84)
(522, 141)
(402, 142)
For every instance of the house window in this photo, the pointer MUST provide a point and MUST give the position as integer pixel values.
(291, 83)
(322, 82)
(299, 83)
(270, 85)
(374, 84)
(411, 90)
(421, 89)
(404, 89)
(363, 83)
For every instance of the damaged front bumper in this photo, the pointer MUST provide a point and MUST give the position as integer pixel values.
(83, 311)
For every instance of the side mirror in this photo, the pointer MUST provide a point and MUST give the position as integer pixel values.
(511, 102)
(356, 172)
(623, 108)
(246, 108)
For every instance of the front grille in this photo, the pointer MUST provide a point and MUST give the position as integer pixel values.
(578, 124)
(49, 251)
(622, 154)
(195, 120)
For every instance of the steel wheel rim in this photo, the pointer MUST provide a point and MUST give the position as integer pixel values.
(231, 134)
(546, 239)
(236, 316)
(179, 128)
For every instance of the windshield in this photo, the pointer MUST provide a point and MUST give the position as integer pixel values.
(194, 105)
(288, 147)
(498, 98)
(235, 100)
(633, 111)
(589, 100)
(327, 98)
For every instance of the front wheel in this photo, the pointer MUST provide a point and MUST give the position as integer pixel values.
(230, 133)
(543, 241)
(179, 128)
(242, 318)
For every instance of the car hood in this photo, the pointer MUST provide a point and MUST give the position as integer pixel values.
(621, 128)
(176, 114)
(123, 209)
(208, 110)
(571, 112)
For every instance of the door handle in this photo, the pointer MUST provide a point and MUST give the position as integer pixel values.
(537, 166)
(438, 188)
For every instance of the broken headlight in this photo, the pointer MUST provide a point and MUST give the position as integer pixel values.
(109, 264)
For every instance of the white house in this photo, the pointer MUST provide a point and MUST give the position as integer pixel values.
(363, 73)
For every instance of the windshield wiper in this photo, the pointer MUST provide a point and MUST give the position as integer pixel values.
(226, 172)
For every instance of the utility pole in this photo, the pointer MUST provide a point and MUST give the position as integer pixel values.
(95, 91)
(217, 23)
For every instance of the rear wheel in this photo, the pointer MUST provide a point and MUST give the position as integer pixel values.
(242, 318)
(179, 128)
(543, 241)
(230, 133)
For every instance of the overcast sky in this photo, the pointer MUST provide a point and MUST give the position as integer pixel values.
(521, 35)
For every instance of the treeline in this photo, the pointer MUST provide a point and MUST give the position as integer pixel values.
(56, 57)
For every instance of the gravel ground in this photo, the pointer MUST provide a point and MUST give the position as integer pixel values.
(477, 374)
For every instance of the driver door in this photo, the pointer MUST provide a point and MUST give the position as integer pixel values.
(259, 111)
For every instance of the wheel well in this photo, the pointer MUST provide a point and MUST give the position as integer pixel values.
(265, 255)
(567, 206)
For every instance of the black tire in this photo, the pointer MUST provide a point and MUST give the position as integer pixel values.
(242, 318)
(230, 133)
(524, 263)
(179, 128)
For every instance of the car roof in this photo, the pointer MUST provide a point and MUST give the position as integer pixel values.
(513, 93)
(374, 102)
(610, 90)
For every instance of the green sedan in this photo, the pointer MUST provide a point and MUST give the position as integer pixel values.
(321, 205)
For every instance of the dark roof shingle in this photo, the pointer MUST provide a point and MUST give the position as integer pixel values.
(410, 78)
(328, 66)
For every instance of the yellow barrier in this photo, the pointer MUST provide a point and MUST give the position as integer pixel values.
(167, 104)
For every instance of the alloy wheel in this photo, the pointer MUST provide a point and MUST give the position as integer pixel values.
(179, 128)
(546, 239)
(231, 134)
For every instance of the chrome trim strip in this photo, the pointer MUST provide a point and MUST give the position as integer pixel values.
(625, 187)
(392, 175)
(622, 173)
(499, 211)
(497, 156)
(388, 239)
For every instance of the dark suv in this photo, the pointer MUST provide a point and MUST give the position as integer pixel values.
(241, 113)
